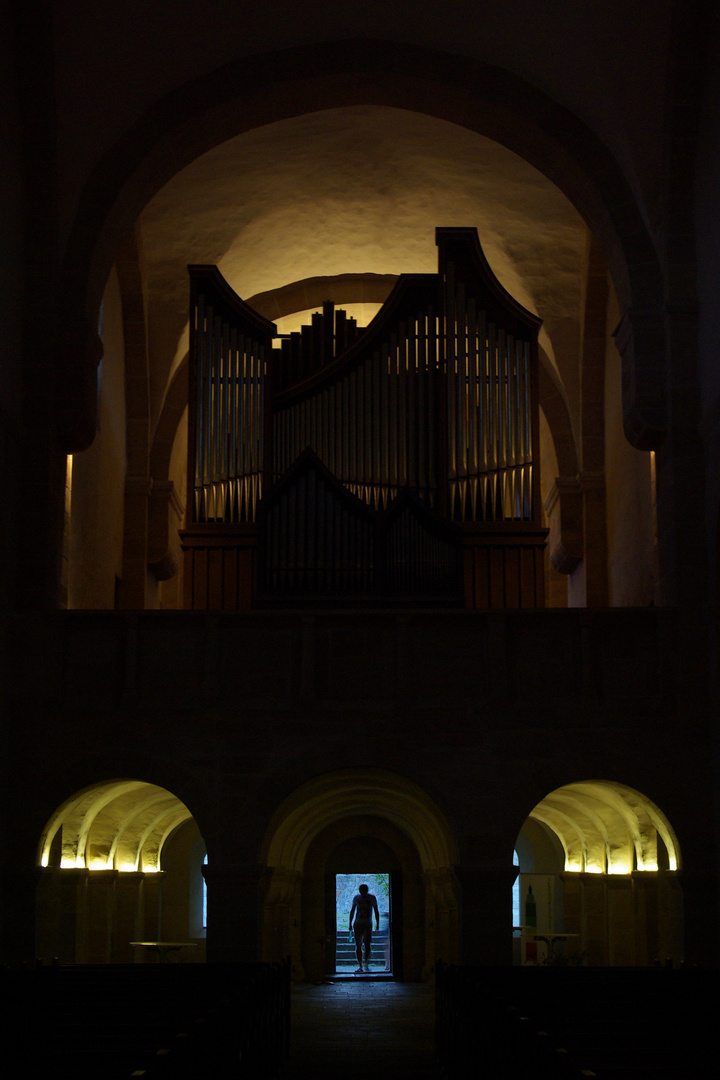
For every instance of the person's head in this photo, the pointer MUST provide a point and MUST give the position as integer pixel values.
(363, 889)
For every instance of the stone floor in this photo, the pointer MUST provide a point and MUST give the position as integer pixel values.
(361, 1027)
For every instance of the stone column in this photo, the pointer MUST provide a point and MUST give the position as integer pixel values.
(31, 906)
(486, 914)
(442, 919)
(594, 894)
(595, 534)
(150, 908)
(233, 913)
(60, 915)
(621, 920)
(129, 898)
(573, 905)
(134, 588)
(281, 917)
(645, 906)
(564, 510)
(575, 509)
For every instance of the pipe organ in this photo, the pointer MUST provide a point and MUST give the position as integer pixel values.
(392, 464)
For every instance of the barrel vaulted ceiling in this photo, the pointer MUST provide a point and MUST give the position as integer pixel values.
(359, 190)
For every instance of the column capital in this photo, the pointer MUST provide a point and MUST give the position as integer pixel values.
(79, 351)
(564, 509)
(641, 337)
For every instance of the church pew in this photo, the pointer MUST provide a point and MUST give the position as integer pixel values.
(168, 1020)
(554, 1022)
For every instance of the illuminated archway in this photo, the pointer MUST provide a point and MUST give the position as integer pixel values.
(606, 827)
(117, 825)
(598, 864)
(120, 862)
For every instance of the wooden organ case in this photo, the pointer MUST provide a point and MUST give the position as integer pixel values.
(387, 466)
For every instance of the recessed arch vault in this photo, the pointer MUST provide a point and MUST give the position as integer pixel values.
(255, 91)
(331, 797)
(607, 827)
(114, 825)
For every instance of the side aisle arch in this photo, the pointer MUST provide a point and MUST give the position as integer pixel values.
(119, 861)
(602, 862)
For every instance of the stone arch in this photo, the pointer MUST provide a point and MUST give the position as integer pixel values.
(137, 421)
(604, 859)
(368, 808)
(367, 843)
(259, 90)
(606, 827)
(333, 796)
(100, 885)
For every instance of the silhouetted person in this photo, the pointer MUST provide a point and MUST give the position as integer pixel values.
(363, 906)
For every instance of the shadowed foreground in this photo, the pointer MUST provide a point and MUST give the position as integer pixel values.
(352, 1029)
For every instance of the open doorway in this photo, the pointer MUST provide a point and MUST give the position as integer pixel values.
(346, 888)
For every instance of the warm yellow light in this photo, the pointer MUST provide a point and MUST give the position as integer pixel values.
(72, 862)
(127, 868)
(593, 868)
(619, 868)
(574, 867)
(98, 863)
(151, 869)
(648, 865)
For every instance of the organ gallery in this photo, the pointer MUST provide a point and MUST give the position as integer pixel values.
(397, 461)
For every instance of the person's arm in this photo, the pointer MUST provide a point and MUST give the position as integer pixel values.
(352, 912)
(377, 914)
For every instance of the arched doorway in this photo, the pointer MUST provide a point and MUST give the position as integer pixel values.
(369, 845)
(359, 820)
(120, 861)
(597, 880)
(385, 887)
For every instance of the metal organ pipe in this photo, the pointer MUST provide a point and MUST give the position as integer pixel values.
(373, 426)
(421, 431)
(229, 368)
(489, 414)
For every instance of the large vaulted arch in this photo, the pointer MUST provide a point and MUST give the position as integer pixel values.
(329, 798)
(263, 90)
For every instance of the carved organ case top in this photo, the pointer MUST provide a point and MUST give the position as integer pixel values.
(394, 464)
